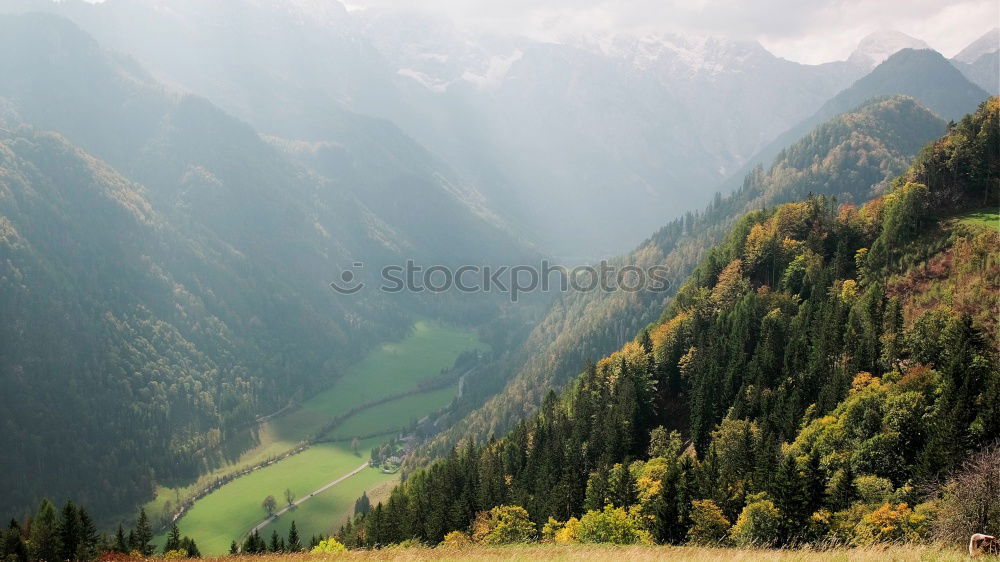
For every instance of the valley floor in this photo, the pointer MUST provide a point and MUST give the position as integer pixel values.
(608, 552)
(392, 372)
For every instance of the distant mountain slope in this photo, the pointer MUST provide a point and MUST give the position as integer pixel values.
(850, 157)
(924, 75)
(538, 128)
(170, 270)
(980, 61)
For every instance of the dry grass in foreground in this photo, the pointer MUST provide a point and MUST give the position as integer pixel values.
(537, 552)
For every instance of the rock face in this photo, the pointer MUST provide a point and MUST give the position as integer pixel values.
(878, 46)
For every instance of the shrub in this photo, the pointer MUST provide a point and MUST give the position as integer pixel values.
(612, 525)
(456, 539)
(893, 523)
(328, 546)
(759, 524)
(175, 554)
(708, 523)
(503, 525)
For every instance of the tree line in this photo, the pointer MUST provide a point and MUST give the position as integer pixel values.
(70, 534)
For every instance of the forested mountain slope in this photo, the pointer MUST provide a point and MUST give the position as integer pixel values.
(169, 270)
(826, 361)
(850, 157)
(922, 74)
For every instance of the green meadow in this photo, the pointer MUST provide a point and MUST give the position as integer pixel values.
(987, 218)
(391, 369)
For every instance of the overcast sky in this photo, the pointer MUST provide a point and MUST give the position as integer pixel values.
(808, 31)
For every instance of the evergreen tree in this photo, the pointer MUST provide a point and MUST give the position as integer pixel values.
(294, 544)
(233, 549)
(90, 538)
(121, 543)
(44, 543)
(69, 532)
(275, 545)
(173, 539)
(188, 545)
(143, 540)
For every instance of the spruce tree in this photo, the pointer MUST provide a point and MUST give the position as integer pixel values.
(143, 534)
(121, 543)
(69, 532)
(173, 539)
(294, 544)
(90, 538)
(44, 543)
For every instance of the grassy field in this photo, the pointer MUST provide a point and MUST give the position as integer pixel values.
(532, 553)
(392, 369)
(987, 218)
(325, 513)
(393, 415)
(226, 513)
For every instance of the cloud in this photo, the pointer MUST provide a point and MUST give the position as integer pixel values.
(803, 30)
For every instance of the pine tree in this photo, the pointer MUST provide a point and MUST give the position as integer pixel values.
(362, 505)
(44, 543)
(233, 549)
(69, 532)
(275, 546)
(121, 544)
(188, 545)
(90, 538)
(143, 534)
(173, 539)
(815, 482)
(294, 544)
(14, 548)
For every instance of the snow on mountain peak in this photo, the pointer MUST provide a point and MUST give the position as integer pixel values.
(878, 46)
(698, 54)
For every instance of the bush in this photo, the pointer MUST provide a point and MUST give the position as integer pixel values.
(708, 523)
(759, 524)
(175, 554)
(456, 539)
(893, 523)
(328, 546)
(561, 532)
(503, 525)
(612, 525)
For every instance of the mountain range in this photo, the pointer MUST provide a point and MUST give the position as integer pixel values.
(619, 122)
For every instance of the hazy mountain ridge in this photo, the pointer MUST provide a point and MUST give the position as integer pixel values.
(646, 139)
(208, 304)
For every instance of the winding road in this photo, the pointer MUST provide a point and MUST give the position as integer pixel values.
(305, 498)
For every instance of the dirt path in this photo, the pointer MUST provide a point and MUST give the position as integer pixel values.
(305, 498)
